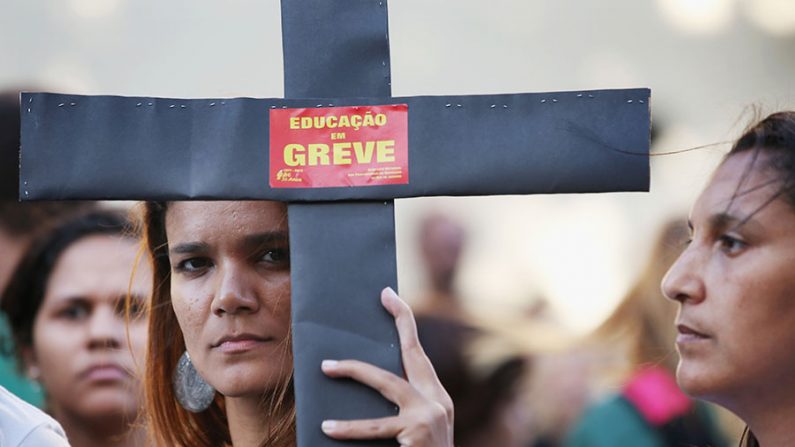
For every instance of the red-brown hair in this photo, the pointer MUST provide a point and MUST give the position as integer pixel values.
(169, 423)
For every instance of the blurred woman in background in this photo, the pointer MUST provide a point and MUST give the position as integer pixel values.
(73, 333)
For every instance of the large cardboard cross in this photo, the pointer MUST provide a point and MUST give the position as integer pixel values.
(341, 185)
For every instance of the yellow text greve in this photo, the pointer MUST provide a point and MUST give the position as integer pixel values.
(339, 153)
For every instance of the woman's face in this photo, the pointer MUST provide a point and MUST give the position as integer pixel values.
(80, 334)
(230, 289)
(735, 284)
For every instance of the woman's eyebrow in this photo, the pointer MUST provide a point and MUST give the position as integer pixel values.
(259, 239)
(189, 248)
(724, 222)
(71, 300)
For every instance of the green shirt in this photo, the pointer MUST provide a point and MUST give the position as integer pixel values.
(10, 377)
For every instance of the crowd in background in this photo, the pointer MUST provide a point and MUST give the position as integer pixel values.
(74, 287)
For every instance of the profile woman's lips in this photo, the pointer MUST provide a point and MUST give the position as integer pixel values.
(687, 334)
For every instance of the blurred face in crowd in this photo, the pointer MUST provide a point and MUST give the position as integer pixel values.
(735, 284)
(230, 289)
(84, 353)
(442, 241)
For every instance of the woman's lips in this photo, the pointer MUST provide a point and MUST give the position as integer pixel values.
(105, 373)
(240, 343)
(689, 335)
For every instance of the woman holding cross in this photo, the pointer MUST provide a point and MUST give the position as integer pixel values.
(220, 321)
(735, 285)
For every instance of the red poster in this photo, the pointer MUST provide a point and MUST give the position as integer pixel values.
(339, 146)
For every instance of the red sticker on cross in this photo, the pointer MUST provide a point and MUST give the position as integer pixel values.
(339, 146)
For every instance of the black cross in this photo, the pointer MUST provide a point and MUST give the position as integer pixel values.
(342, 238)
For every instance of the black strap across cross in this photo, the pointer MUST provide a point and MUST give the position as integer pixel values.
(339, 148)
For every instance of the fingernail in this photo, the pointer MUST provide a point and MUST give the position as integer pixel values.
(390, 292)
(328, 425)
(328, 364)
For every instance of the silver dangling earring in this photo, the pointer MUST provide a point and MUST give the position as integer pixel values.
(193, 393)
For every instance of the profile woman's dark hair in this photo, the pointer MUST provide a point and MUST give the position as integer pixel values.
(775, 137)
(24, 294)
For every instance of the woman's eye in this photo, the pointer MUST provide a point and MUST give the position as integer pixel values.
(730, 245)
(276, 256)
(74, 312)
(137, 308)
(193, 265)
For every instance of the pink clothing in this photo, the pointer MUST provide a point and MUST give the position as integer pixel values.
(656, 396)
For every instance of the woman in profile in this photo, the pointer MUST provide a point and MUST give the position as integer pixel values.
(735, 286)
(66, 308)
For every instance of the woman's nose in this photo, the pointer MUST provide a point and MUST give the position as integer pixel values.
(236, 292)
(105, 328)
(683, 282)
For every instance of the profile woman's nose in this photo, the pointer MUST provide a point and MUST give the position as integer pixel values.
(683, 281)
(236, 292)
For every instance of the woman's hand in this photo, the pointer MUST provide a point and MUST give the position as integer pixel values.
(426, 410)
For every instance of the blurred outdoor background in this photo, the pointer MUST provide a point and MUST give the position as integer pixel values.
(706, 61)
(567, 260)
